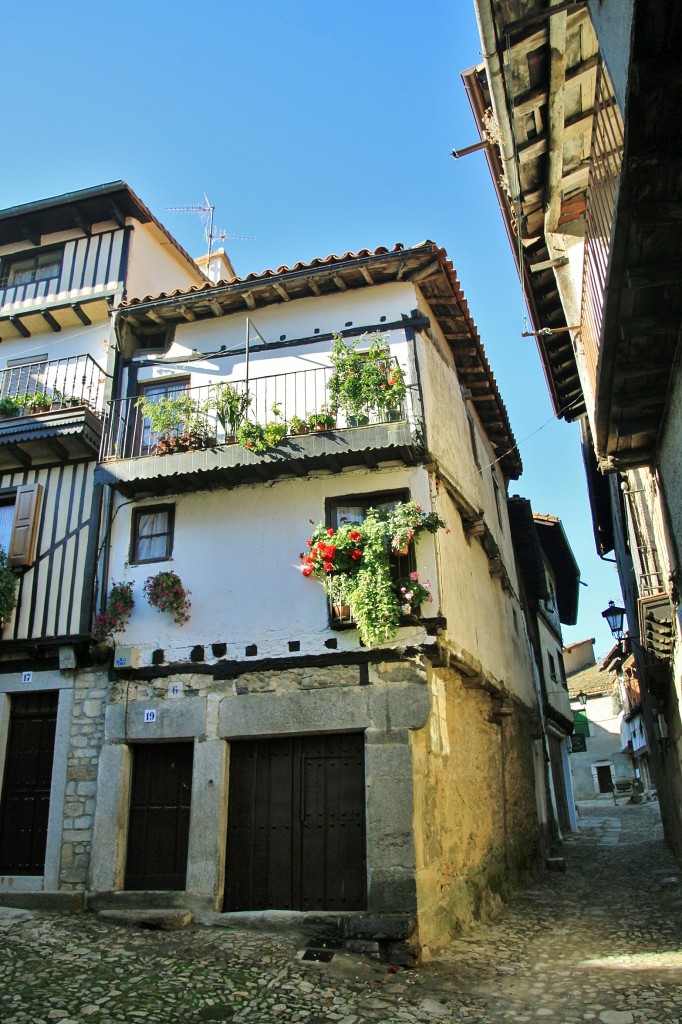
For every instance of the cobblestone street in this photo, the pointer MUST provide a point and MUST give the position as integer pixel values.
(601, 942)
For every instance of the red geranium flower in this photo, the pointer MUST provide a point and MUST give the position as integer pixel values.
(355, 536)
(329, 566)
(330, 532)
(307, 570)
(354, 553)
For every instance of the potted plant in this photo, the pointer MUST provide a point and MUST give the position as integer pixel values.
(346, 384)
(8, 589)
(354, 565)
(297, 425)
(175, 420)
(384, 380)
(113, 619)
(412, 593)
(166, 593)
(322, 420)
(10, 407)
(258, 438)
(230, 407)
(37, 402)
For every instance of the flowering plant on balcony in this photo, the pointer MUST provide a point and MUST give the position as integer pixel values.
(354, 565)
(365, 382)
(258, 438)
(166, 593)
(116, 614)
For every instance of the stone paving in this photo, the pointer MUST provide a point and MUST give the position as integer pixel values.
(600, 943)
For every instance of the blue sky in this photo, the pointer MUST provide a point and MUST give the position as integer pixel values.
(317, 128)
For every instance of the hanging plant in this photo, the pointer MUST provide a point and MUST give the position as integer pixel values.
(114, 618)
(166, 593)
(8, 588)
(354, 565)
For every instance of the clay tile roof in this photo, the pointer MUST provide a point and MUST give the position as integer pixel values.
(591, 680)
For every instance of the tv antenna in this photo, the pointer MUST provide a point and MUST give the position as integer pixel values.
(211, 233)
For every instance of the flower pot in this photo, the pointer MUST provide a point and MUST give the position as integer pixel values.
(301, 430)
(341, 611)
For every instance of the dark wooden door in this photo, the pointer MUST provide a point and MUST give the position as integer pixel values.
(158, 829)
(557, 766)
(296, 824)
(25, 805)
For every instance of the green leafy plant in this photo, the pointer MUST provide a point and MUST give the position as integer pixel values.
(166, 592)
(365, 383)
(230, 406)
(322, 420)
(116, 614)
(8, 588)
(354, 565)
(37, 402)
(297, 425)
(10, 406)
(257, 438)
(168, 415)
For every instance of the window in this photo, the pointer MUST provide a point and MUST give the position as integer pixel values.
(152, 533)
(155, 391)
(19, 515)
(23, 376)
(552, 668)
(6, 521)
(28, 269)
(353, 509)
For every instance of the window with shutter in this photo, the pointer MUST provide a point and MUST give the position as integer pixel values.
(25, 527)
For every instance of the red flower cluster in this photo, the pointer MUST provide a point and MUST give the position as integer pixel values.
(333, 551)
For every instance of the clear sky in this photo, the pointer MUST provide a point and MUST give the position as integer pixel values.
(317, 128)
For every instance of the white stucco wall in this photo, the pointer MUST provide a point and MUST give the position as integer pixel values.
(155, 265)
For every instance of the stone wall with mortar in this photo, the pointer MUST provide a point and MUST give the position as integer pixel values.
(475, 822)
(383, 699)
(90, 691)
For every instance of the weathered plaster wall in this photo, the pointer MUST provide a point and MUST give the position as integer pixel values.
(475, 821)
(603, 747)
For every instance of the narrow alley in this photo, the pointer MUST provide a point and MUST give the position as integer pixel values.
(601, 942)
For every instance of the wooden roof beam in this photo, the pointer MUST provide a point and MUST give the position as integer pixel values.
(187, 313)
(314, 286)
(561, 8)
(366, 274)
(339, 282)
(281, 291)
(249, 299)
(20, 326)
(556, 117)
(534, 98)
(156, 317)
(215, 307)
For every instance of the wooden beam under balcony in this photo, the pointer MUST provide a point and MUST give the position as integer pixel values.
(520, 24)
(526, 102)
(79, 219)
(20, 326)
(78, 310)
(50, 320)
(29, 232)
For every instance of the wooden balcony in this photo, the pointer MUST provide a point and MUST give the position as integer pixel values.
(87, 272)
(138, 463)
(50, 412)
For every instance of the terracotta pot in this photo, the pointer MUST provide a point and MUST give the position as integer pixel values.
(341, 611)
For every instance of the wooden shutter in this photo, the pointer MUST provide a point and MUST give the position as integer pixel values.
(22, 543)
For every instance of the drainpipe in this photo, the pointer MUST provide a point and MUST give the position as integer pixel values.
(486, 30)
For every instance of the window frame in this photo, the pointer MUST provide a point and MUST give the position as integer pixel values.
(144, 510)
(12, 260)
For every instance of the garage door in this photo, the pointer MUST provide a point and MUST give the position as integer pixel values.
(296, 824)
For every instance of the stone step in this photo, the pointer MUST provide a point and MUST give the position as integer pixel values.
(169, 920)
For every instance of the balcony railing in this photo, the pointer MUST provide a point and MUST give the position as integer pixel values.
(605, 162)
(53, 384)
(88, 265)
(301, 393)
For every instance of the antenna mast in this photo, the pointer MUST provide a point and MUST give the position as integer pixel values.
(206, 211)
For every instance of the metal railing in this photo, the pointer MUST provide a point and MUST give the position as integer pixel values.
(606, 155)
(44, 385)
(301, 393)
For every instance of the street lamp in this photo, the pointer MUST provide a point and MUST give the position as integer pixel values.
(582, 697)
(614, 616)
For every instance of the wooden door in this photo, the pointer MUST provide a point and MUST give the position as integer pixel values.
(296, 824)
(604, 778)
(25, 804)
(158, 829)
(557, 767)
